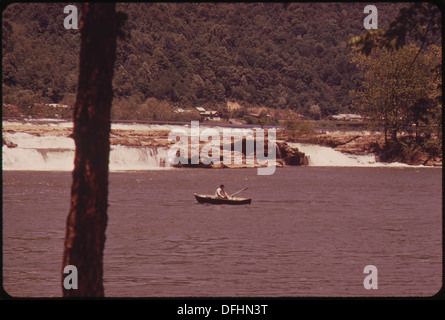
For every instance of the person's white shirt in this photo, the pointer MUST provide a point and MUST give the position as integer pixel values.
(220, 193)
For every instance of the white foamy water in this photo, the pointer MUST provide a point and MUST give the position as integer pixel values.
(56, 153)
(51, 153)
(117, 126)
(47, 153)
(29, 141)
(143, 127)
(320, 156)
(125, 158)
(37, 159)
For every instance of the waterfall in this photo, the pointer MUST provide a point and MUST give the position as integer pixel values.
(320, 156)
(56, 153)
(52, 153)
(138, 158)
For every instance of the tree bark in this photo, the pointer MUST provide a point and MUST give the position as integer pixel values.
(87, 218)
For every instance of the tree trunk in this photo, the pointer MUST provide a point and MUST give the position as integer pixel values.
(385, 130)
(394, 136)
(87, 219)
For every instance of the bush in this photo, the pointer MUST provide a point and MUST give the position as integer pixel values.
(299, 130)
(410, 150)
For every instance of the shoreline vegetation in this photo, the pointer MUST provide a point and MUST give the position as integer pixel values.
(350, 138)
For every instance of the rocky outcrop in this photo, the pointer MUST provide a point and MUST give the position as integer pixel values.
(285, 156)
(9, 144)
(351, 142)
(290, 156)
(139, 138)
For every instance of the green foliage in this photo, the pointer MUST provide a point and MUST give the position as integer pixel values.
(151, 109)
(261, 120)
(398, 88)
(192, 54)
(299, 130)
(401, 92)
(410, 150)
(419, 21)
(402, 87)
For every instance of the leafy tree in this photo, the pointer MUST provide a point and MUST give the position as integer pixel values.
(315, 111)
(420, 21)
(397, 94)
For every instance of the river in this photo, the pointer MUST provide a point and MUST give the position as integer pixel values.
(309, 232)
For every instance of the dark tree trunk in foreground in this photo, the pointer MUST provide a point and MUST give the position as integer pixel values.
(87, 219)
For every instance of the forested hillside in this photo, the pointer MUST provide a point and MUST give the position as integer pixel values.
(186, 55)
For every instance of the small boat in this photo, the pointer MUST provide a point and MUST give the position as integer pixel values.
(202, 198)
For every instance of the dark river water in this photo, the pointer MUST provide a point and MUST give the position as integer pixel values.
(310, 231)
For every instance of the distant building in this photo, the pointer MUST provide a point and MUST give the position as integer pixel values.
(208, 114)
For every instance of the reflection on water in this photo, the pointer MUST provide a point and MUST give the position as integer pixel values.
(309, 231)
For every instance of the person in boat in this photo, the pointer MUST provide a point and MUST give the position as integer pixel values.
(220, 193)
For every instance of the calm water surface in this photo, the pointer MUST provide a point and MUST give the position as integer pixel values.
(309, 231)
